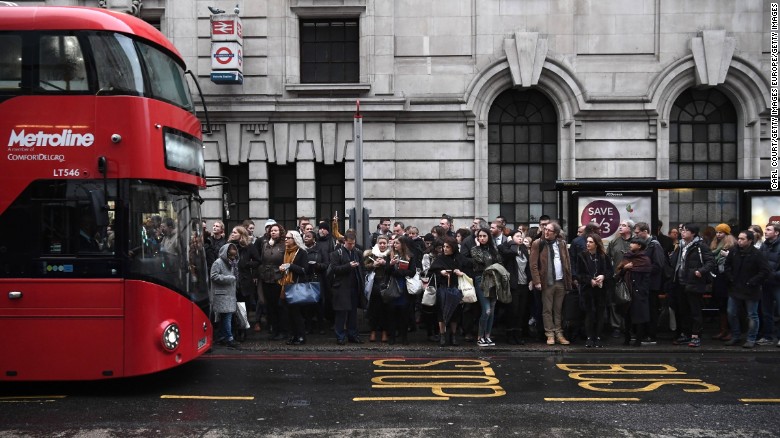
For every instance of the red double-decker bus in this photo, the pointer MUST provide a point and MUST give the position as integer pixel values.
(102, 267)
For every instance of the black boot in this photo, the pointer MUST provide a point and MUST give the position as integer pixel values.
(442, 339)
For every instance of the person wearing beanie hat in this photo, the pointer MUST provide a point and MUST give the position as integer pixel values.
(635, 269)
(618, 246)
(723, 228)
(268, 223)
(324, 226)
(720, 247)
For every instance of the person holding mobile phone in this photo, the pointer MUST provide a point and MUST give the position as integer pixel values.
(377, 260)
(347, 288)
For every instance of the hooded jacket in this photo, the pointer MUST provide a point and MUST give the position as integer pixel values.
(222, 293)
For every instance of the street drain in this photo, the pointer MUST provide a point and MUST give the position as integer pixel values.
(298, 403)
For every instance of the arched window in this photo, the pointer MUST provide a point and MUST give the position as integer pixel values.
(522, 155)
(703, 145)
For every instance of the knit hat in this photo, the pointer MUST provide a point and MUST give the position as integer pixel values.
(324, 226)
(269, 222)
(723, 228)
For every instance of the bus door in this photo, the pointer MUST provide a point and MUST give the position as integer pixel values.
(62, 292)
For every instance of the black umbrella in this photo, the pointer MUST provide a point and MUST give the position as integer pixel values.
(449, 299)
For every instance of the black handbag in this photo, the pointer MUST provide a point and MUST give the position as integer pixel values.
(391, 292)
(622, 293)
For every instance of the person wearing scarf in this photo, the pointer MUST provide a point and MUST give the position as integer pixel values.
(515, 257)
(692, 262)
(720, 247)
(635, 269)
(376, 260)
(447, 268)
(293, 269)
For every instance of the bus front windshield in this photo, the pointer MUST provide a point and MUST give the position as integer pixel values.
(166, 238)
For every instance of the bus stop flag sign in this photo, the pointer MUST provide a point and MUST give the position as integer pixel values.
(227, 44)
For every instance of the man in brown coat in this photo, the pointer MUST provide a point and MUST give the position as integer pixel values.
(551, 273)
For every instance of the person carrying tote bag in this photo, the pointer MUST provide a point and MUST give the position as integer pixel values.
(293, 270)
(447, 268)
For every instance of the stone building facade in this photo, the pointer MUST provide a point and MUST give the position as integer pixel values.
(473, 107)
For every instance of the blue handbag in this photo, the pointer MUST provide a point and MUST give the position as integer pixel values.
(302, 293)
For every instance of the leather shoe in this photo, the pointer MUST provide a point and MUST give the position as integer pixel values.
(356, 340)
(550, 340)
(233, 344)
(341, 341)
(561, 340)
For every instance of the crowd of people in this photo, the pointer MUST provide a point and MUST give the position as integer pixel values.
(529, 282)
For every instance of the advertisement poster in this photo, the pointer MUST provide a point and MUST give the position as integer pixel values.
(609, 210)
(765, 210)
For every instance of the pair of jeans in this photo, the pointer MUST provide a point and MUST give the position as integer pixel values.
(751, 308)
(770, 301)
(488, 306)
(225, 327)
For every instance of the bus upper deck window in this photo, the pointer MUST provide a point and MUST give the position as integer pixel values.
(62, 64)
(10, 63)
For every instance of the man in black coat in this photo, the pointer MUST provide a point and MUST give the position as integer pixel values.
(217, 240)
(746, 270)
(347, 287)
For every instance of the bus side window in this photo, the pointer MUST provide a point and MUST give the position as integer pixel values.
(62, 64)
(10, 63)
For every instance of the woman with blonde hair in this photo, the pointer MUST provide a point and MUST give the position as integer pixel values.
(293, 270)
(720, 247)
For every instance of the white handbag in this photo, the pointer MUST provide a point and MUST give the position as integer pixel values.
(413, 284)
(466, 285)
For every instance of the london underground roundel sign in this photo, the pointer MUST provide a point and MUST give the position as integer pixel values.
(223, 55)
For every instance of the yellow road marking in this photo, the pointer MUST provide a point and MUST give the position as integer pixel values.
(398, 398)
(208, 397)
(760, 400)
(589, 399)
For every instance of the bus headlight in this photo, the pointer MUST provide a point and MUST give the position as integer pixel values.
(171, 337)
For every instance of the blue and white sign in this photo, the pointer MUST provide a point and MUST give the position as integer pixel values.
(227, 77)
